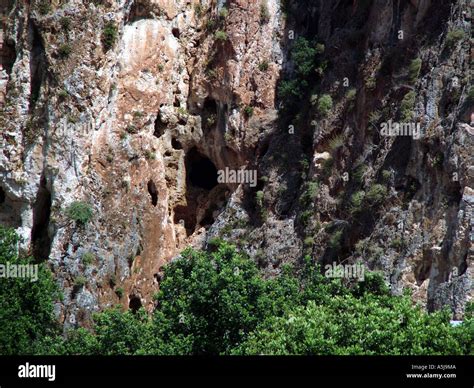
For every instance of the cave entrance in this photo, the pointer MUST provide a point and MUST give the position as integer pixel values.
(201, 199)
(40, 239)
(201, 172)
(7, 57)
(135, 303)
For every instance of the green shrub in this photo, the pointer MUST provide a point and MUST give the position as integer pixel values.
(414, 70)
(109, 35)
(64, 51)
(119, 292)
(371, 83)
(223, 13)
(80, 212)
(220, 36)
(336, 240)
(358, 174)
(303, 54)
(248, 111)
(397, 244)
(309, 195)
(407, 106)
(356, 201)
(65, 23)
(336, 142)
(88, 258)
(211, 24)
(259, 198)
(455, 36)
(289, 89)
(324, 104)
(308, 242)
(63, 93)
(263, 66)
(351, 94)
(386, 175)
(376, 194)
(79, 281)
(132, 129)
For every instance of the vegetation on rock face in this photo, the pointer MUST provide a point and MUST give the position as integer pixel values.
(324, 104)
(414, 69)
(109, 35)
(304, 56)
(407, 105)
(220, 36)
(454, 36)
(217, 302)
(79, 212)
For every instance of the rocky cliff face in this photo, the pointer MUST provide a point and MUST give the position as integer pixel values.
(132, 106)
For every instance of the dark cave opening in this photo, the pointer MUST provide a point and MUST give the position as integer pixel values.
(135, 303)
(176, 144)
(8, 56)
(201, 172)
(2, 195)
(160, 127)
(37, 66)
(153, 192)
(40, 239)
(175, 32)
(201, 178)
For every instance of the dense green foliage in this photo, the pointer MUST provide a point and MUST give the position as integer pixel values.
(26, 306)
(80, 212)
(357, 326)
(304, 57)
(217, 302)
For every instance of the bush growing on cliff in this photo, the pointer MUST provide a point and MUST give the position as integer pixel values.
(109, 35)
(64, 51)
(324, 104)
(455, 36)
(414, 69)
(407, 105)
(80, 212)
(220, 36)
(65, 23)
(303, 54)
(376, 194)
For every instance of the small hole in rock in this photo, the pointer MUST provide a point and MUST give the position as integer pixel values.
(153, 192)
(176, 144)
